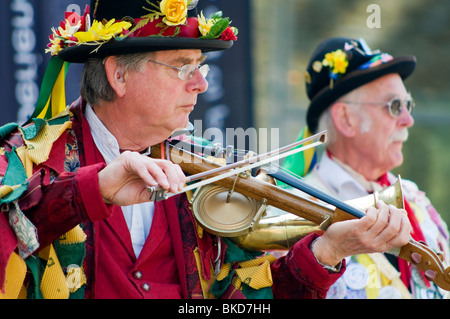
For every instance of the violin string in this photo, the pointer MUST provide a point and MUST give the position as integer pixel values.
(238, 170)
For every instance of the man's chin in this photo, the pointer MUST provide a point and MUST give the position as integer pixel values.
(185, 127)
(398, 160)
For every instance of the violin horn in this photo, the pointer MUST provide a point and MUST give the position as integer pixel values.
(391, 195)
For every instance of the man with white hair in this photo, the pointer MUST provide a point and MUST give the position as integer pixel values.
(359, 97)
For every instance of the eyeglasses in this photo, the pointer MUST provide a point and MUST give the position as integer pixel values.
(186, 72)
(395, 106)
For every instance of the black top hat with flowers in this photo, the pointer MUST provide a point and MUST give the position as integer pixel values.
(116, 27)
(340, 65)
(113, 27)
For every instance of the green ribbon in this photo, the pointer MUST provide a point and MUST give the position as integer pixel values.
(236, 254)
(14, 175)
(51, 75)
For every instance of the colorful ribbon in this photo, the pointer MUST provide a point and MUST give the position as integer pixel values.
(52, 96)
(301, 163)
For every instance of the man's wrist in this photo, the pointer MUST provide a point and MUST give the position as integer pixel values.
(331, 268)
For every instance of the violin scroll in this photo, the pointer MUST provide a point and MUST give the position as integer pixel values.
(424, 258)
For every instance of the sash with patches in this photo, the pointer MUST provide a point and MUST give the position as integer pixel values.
(56, 271)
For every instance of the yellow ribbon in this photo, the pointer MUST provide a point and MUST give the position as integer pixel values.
(388, 276)
(57, 97)
(39, 147)
(74, 236)
(54, 283)
(22, 153)
(5, 190)
(255, 273)
(256, 277)
(374, 284)
(15, 275)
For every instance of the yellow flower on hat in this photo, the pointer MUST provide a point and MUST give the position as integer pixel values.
(101, 32)
(54, 47)
(175, 11)
(203, 25)
(336, 61)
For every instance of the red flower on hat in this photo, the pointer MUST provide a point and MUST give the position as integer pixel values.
(229, 34)
(64, 35)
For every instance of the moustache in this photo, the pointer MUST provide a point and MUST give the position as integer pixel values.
(400, 136)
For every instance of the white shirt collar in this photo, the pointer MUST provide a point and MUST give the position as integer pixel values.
(106, 142)
(343, 181)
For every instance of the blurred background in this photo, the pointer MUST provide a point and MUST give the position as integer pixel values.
(258, 85)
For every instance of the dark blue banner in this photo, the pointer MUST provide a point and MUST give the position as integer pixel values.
(228, 101)
(26, 25)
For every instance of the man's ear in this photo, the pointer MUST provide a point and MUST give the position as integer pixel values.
(344, 119)
(116, 76)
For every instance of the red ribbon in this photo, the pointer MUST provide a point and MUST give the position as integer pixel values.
(416, 234)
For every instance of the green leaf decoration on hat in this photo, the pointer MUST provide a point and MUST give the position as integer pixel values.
(215, 27)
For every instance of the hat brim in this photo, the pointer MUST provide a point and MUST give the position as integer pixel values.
(81, 53)
(404, 66)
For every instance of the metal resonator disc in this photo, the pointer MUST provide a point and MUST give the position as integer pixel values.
(219, 217)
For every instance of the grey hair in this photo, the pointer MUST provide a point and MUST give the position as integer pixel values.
(95, 86)
(326, 121)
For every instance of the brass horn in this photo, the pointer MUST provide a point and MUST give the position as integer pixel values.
(391, 195)
(283, 231)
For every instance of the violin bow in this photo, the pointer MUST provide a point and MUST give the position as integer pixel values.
(222, 172)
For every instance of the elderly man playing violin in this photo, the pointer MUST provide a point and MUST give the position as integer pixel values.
(359, 97)
(81, 224)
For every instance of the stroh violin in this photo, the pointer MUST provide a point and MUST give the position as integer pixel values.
(230, 202)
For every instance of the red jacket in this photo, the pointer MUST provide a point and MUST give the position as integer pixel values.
(166, 267)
